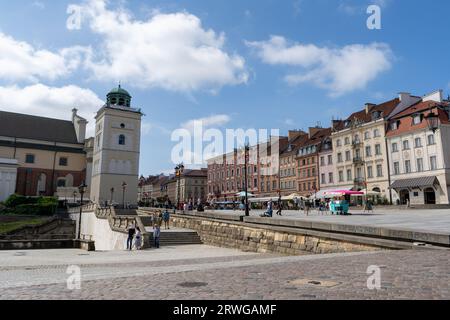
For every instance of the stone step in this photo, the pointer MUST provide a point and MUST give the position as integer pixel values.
(174, 242)
(170, 244)
(179, 237)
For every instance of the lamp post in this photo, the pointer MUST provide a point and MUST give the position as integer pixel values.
(246, 151)
(81, 190)
(124, 187)
(178, 171)
(112, 196)
(433, 121)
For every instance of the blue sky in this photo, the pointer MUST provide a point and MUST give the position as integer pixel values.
(235, 64)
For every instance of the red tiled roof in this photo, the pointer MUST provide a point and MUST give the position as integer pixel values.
(317, 138)
(295, 143)
(196, 173)
(418, 107)
(406, 122)
(386, 108)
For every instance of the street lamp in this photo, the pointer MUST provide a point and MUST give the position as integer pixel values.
(81, 189)
(246, 152)
(433, 121)
(124, 187)
(112, 196)
(178, 171)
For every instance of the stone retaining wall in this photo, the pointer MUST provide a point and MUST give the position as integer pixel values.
(264, 240)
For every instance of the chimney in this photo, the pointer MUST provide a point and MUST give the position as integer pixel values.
(369, 106)
(79, 125)
(434, 96)
(74, 114)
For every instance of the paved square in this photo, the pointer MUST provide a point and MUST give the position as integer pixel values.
(203, 272)
(419, 220)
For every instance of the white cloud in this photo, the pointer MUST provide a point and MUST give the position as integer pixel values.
(338, 70)
(208, 122)
(169, 51)
(19, 61)
(51, 102)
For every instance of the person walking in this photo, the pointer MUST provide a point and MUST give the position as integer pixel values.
(166, 218)
(156, 235)
(269, 211)
(131, 233)
(307, 207)
(280, 206)
(138, 239)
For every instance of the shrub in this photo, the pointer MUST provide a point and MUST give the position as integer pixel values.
(47, 200)
(18, 204)
(46, 209)
(16, 200)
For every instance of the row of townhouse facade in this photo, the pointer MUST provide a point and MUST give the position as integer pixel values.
(226, 173)
(189, 186)
(398, 150)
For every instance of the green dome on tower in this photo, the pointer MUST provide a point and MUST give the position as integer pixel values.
(119, 96)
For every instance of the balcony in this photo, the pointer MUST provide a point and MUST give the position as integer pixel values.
(358, 160)
(356, 143)
(359, 181)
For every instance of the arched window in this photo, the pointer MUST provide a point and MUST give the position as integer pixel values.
(122, 140)
(69, 180)
(61, 183)
(121, 101)
(42, 184)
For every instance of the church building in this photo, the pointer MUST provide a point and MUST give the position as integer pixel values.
(51, 157)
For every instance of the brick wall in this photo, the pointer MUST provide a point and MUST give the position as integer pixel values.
(27, 180)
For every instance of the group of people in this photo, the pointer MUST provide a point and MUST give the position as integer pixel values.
(135, 234)
(190, 206)
(269, 211)
(134, 237)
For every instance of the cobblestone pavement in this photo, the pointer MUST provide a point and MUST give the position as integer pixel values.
(415, 274)
(424, 220)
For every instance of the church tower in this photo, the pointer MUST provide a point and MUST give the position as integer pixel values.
(116, 150)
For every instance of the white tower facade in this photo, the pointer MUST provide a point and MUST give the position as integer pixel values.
(116, 154)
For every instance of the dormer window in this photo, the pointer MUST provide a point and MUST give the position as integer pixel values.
(417, 119)
(395, 125)
(376, 115)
